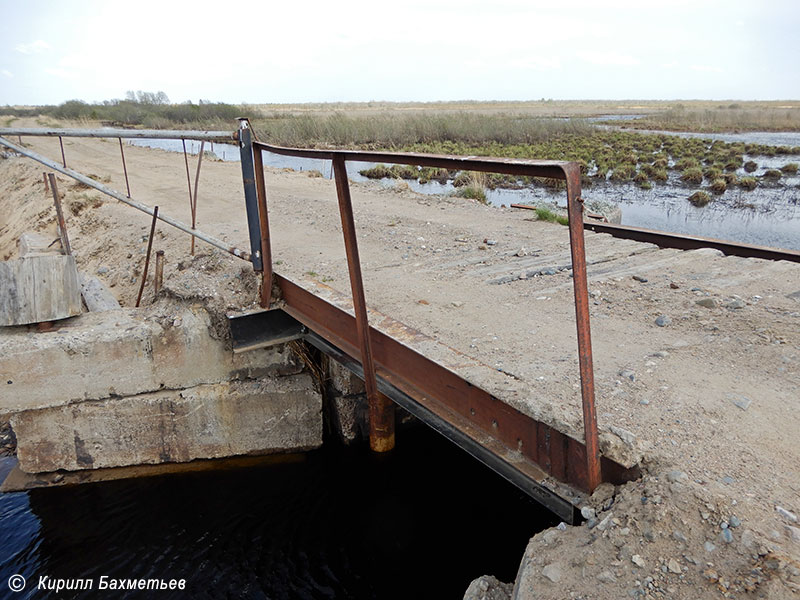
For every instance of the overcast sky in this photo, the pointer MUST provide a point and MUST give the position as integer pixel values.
(409, 50)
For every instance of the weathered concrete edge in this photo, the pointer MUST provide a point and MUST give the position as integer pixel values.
(124, 353)
(206, 421)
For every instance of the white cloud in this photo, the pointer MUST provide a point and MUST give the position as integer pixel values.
(62, 73)
(6, 73)
(705, 69)
(36, 47)
(609, 59)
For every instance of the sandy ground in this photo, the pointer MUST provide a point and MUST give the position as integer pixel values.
(709, 402)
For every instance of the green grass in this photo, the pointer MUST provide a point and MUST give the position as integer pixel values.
(790, 168)
(545, 214)
(773, 174)
(473, 193)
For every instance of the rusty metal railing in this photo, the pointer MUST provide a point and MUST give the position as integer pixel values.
(381, 421)
(227, 136)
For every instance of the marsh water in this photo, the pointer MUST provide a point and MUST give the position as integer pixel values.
(340, 523)
(767, 216)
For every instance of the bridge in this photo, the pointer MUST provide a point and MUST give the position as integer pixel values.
(454, 393)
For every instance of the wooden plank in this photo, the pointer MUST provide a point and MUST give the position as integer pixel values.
(96, 295)
(35, 244)
(38, 289)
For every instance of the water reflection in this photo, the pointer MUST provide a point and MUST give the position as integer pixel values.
(422, 522)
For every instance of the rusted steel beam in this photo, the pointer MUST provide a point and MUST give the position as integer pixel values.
(508, 433)
(692, 242)
(509, 166)
(159, 134)
(124, 167)
(381, 409)
(147, 256)
(263, 217)
(121, 197)
(580, 284)
(62, 225)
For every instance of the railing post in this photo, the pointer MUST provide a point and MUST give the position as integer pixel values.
(250, 194)
(577, 247)
(381, 409)
(263, 215)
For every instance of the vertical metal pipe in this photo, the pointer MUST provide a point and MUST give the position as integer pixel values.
(62, 225)
(63, 156)
(147, 257)
(263, 220)
(189, 184)
(250, 194)
(196, 185)
(158, 281)
(581, 286)
(381, 409)
(125, 168)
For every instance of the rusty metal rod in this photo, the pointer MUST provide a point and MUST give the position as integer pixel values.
(124, 167)
(580, 284)
(130, 202)
(158, 281)
(189, 183)
(509, 166)
(196, 186)
(147, 256)
(381, 409)
(62, 225)
(63, 156)
(263, 219)
(46, 184)
(160, 134)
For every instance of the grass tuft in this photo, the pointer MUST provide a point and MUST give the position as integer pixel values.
(700, 198)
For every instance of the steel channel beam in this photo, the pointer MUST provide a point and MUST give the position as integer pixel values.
(447, 394)
(381, 410)
(155, 134)
(118, 196)
(509, 166)
(580, 284)
(525, 481)
(263, 216)
(246, 150)
(691, 242)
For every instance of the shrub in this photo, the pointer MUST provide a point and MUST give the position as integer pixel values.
(748, 183)
(692, 175)
(718, 186)
(700, 198)
(773, 174)
(750, 166)
(790, 169)
(623, 173)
